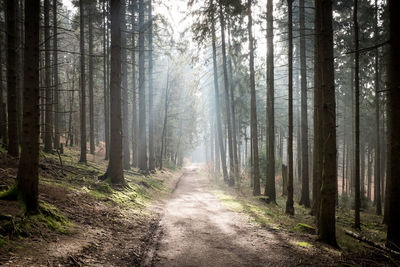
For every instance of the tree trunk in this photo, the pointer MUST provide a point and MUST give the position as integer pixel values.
(236, 155)
(82, 82)
(217, 104)
(57, 100)
(2, 105)
(125, 112)
(164, 130)
(253, 107)
(91, 95)
(289, 202)
(305, 191)
(326, 219)
(152, 165)
(142, 94)
(28, 170)
(11, 11)
(356, 121)
(49, 99)
(393, 232)
(232, 173)
(135, 130)
(106, 84)
(270, 179)
(114, 170)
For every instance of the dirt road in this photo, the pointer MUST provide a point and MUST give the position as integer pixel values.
(197, 230)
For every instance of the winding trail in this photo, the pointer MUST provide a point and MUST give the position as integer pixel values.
(197, 230)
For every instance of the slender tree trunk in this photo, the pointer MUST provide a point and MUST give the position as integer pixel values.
(57, 100)
(232, 103)
(28, 170)
(270, 179)
(11, 11)
(253, 107)
(135, 128)
(232, 173)
(326, 219)
(125, 112)
(289, 202)
(388, 164)
(357, 121)
(142, 94)
(82, 83)
(49, 99)
(305, 191)
(2, 105)
(90, 87)
(152, 165)
(114, 170)
(164, 130)
(217, 104)
(369, 174)
(105, 84)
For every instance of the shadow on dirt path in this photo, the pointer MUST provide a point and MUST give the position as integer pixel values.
(197, 230)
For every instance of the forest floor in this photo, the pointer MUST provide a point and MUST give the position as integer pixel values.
(165, 219)
(82, 221)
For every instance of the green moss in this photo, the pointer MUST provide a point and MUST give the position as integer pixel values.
(10, 194)
(303, 244)
(304, 228)
(51, 217)
(3, 242)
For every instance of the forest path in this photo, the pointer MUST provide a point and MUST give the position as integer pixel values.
(197, 230)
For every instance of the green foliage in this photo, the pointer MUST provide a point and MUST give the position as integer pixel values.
(3, 242)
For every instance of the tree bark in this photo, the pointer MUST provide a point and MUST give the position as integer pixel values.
(393, 232)
(356, 121)
(135, 128)
(114, 170)
(253, 107)
(152, 165)
(82, 83)
(28, 170)
(57, 100)
(125, 112)
(48, 90)
(232, 174)
(305, 191)
(217, 103)
(326, 221)
(289, 202)
(91, 95)
(106, 84)
(11, 11)
(142, 94)
(270, 179)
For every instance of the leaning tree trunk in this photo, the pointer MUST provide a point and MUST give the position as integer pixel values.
(114, 170)
(217, 104)
(28, 170)
(305, 191)
(326, 219)
(270, 179)
(11, 12)
(393, 222)
(289, 202)
(82, 81)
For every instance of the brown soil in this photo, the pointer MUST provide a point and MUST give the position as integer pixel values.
(103, 233)
(197, 230)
